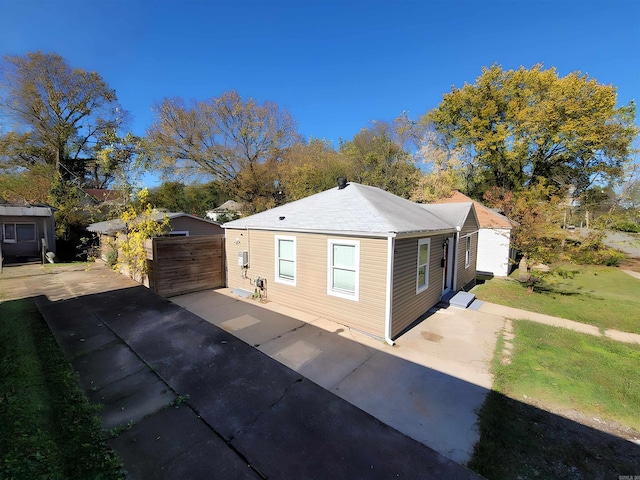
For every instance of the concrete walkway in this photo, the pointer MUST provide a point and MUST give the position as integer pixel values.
(632, 273)
(189, 400)
(515, 313)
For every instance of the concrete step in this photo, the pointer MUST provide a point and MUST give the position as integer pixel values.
(462, 299)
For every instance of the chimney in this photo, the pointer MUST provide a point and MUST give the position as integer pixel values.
(342, 182)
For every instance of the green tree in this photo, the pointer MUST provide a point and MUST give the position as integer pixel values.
(227, 139)
(444, 168)
(201, 197)
(536, 234)
(32, 186)
(522, 125)
(65, 120)
(140, 226)
(61, 116)
(311, 167)
(194, 199)
(376, 157)
(169, 196)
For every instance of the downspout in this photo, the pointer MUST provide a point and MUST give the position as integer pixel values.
(455, 260)
(391, 242)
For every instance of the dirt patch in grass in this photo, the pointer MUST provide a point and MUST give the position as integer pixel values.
(630, 263)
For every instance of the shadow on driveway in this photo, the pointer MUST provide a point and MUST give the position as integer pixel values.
(197, 402)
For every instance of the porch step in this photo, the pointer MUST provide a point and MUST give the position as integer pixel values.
(462, 299)
(476, 304)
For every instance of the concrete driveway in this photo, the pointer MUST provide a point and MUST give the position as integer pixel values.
(428, 386)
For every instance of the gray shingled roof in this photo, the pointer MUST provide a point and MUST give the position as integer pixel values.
(356, 209)
(25, 211)
(454, 214)
(229, 206)
(117, 225)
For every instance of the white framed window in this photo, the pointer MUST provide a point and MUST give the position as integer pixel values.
(467, 252)
(422, 272)
(285, 256)
(18, 232)
(179, 233)
(343, 268)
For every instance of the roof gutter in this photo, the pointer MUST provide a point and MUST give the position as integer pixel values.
(344, 233)
(347, 233)
(391, 241)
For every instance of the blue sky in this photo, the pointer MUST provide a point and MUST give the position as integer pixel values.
(335, 65)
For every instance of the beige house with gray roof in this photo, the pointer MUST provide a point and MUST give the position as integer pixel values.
(356, 254)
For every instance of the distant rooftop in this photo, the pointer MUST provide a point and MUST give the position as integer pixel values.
(117, 225)
(486, 217)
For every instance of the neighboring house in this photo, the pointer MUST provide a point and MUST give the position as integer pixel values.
(180, 224)
(24, 228)
(356, 254)
(496, 257)
(228, 208)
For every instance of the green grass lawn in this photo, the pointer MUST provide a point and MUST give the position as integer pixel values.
(559, 370)
(601, 296)
(48, 430)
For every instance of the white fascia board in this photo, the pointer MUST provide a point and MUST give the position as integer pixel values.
(342, 233)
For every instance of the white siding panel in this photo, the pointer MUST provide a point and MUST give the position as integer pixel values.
(493, 251)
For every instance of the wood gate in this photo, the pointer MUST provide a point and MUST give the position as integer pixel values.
(181, 265)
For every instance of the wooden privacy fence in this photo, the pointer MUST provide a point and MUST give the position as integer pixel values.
(179, 265)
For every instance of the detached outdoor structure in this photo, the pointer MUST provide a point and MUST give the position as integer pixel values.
(189, 259)
(26, 231)
(356, 254)
(496, 256)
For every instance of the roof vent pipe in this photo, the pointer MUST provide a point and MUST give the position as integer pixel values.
(342, 182)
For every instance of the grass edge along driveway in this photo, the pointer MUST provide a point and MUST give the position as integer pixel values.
(48, 429)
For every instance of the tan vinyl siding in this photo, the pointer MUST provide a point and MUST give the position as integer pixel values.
(195, 226)
(466, 275)
(407, 306)
(310, 292)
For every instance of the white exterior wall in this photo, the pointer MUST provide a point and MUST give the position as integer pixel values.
(493, 251)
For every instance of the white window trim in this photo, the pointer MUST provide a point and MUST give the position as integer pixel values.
(277, 276)
(467, 251)
(179, 233)
(15, 232)
(422, 288)
(338, 293)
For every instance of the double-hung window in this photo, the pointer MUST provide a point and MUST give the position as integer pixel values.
(422, 276)
(467, 252)
(343, 268)
(285, 260)
(18, 232)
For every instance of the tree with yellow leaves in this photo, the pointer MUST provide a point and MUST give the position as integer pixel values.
(140, 225)
(526, 124)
